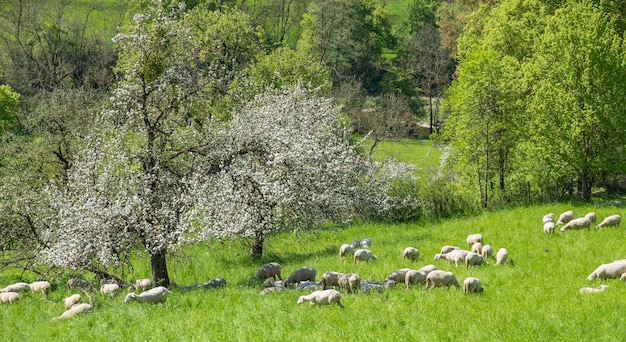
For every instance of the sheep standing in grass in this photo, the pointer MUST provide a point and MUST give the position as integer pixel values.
(579, 223)
(610, 221)
(487, 251)
(502, 256)
(109, 289)
(473, 238)
(75, 310)
(548, 228)
(477, 248)
(612, 270)
(474, 259)
(156, 295)
(548, 218)
(301, 274)
(72, 300)
(142, 285)
(448, 249)
(363, 255)
(41, 286)
(323, 297)
(9, 297)
(398, 275)
(565, 217)
(330, 279)
(600, 288)
(591, 216)
(270, 270)
(411, 253)
(438, 278)
(472, 285)
(17, 287)
(454, 256)
(350, 281)
(345, 250)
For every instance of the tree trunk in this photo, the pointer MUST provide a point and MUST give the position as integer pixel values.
(159, 269)
(257, 246)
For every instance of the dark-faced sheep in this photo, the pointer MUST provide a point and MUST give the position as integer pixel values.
(323, 297)
(301, 274)
(270, 270)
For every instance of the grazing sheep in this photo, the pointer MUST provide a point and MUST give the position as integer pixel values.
(612, 270)
(17, 287)
(474, 259)
(473, 238)
(548, 228)
(438, 278)
(77, 283)
(74, 310)
(414, 277)
(502, 256)
(472, 285)
(600, 288)
(477, 248)
(9, 297)
(487, 251)
(366, 243)
(610, 221)
(345, 250)
(72, 300)
(350, 281)
(330, 279)
(109, 289)
(398, 275)
(565, 217)
(411, 253)
(270, 270)
(301, 274)
(142, 285)
(323, 297)
(156, 295)
(448, 249)
(454, 256)
(363, 255)
(41, 286)
(579, 223)
(548, 218)
(591, 216)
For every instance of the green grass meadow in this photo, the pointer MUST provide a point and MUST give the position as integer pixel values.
(533, 298)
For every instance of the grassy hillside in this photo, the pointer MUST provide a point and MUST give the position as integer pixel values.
(533, 298)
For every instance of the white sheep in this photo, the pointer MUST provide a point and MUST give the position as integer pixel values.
(600, 288)
(330, 279)
(548, 218)
(17, 287)
(411, 253)
(612, 270)
(472, 285)
(454, 256)
(156, 295)
(414, 277)
(323, 297)
(487, 251)
(301, 274)
(9, 297)
(591, 216)
(477, 248)
(548, 228)
(565, 217)
(142, 285)
(363, 255)
(438, 278)
(270, 270)
(448, 249)
(579, 223)
(473, 238)
(398, 275)
(74, 310)
(610, 221)
(77, 283)
(366, 243)
(109, 289)
(345, 250)
(502, 256)
(350, 281)
(72, 300)
(41, 286)
(474, 259)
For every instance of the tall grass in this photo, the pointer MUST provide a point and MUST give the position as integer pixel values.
(533, 298)
(420, 152)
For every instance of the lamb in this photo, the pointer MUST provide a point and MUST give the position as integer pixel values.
(41, 286)
(548, 218)
(438, 278)
(363, 255)
(345, 250)
(350, 281)
(271, 270)
(9, 297)
(411, 253)
(156, 295)
(487, 251)
(17, 287)
(612, 270)
(474, 259)
(600, 288)
(398, 275)
(473, 238)
(301, 274)
(565, 217)
(143, 284)
(548, 228)
(366, 243)
(591, 216)
(502, 256)
(72, 300)
(579, 223)
(77, 283)
(109, 289)
(448, 249)
(477, 248)
(454, 256)
(472, 285)
(323, 297)
(610, 221)
(330, 279)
